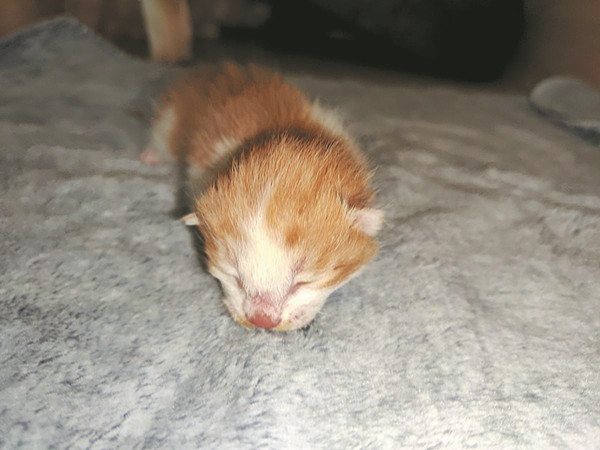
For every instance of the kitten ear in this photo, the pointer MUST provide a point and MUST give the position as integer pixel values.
(190, 219)
(369, 220)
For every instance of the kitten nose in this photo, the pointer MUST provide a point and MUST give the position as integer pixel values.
(262, 320)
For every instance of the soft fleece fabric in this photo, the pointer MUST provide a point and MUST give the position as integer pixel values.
(478, 325)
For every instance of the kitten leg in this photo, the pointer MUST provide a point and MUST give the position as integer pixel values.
(149, 157)
(159, 150)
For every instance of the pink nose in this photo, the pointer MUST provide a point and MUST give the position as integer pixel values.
(261, 320)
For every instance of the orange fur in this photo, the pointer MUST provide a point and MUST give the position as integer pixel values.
(317, 180)
(215, 103)
(300, 180)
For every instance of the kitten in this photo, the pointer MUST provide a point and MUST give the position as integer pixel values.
(286, 209)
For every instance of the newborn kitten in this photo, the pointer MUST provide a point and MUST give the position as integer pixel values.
(286, 209)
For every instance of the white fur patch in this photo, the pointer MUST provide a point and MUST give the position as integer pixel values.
(329, 119)
(368, 220)
(160, 134)
(224, 147)
(190, 219)
(264, 265)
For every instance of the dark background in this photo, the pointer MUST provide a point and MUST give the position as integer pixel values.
(511, 44)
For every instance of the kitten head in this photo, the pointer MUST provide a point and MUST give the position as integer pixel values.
(286, 225)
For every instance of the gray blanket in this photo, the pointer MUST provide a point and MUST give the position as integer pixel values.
(478, 324)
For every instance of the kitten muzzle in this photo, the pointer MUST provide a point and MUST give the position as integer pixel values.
(263, 312)
(262, 320)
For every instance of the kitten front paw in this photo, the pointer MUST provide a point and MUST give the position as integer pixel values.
(149, 158)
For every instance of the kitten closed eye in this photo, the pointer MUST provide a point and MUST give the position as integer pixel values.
(297, 286)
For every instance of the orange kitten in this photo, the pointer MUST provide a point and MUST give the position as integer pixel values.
(287, 209)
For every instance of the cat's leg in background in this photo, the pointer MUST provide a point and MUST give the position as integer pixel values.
(169, 29)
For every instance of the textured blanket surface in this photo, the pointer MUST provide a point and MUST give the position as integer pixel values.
(478, 324)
